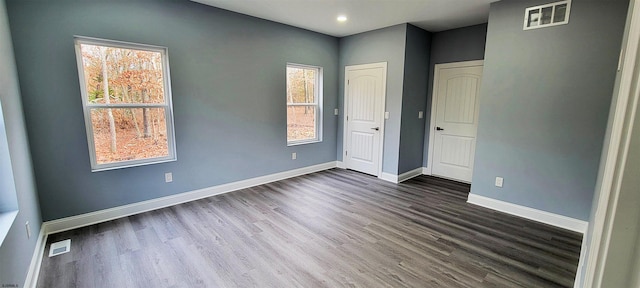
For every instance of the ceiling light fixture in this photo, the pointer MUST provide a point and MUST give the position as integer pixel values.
(342, 18)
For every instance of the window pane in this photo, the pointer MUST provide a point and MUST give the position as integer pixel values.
(546, 15)
(134, 76)
(139, 133)
(301, 123)
(301, 84)
(561, 12)
(534, 15)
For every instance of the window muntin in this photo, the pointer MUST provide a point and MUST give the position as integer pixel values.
(304, 98)
(134, 125)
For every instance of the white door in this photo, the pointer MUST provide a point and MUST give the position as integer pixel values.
(364, 102)
(456, 91)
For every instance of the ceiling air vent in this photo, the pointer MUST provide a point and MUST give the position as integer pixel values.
(547, 15)
(60, 248)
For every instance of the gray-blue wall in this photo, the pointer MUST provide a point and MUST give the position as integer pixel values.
(383, 45)
(16, 249)
(543, 106)
(228, 81)
(414, 98)
(456, 45)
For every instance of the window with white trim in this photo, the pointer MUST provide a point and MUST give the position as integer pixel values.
(126, 96)
(547, 15)
(304, 108)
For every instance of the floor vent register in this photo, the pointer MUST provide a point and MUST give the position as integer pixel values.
(60, 247)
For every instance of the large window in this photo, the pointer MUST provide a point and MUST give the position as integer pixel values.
(304, 98)
(126, 96)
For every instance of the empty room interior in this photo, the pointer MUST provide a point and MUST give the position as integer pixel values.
(347, 143)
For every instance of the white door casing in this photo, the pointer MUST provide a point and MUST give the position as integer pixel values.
(364, 99)
(454, 119)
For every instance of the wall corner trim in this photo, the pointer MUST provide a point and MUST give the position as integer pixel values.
(36, 259)
(410, 174)
(402, 177)
(389, 177)
(560, 221)
(68, 223)
(426, 170)
(341, 165)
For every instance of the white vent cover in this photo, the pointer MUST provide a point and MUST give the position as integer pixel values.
(547, 15)
(60, 248)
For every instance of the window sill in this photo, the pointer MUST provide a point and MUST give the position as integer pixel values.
(303, 142)
(6, 220)
(129, 164)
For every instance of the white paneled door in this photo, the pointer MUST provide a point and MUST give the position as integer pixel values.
(364, 100)
(456, 119)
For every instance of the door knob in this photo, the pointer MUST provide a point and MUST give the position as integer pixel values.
(376, 128)
(439, 129)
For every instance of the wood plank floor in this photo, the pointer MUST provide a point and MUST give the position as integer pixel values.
(335, 228)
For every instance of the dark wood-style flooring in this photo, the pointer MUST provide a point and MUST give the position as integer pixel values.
(335, 228)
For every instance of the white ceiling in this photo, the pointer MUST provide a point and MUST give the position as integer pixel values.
(363, 15)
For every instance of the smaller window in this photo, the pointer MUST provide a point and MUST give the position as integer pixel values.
(304, 98)
(547, 15)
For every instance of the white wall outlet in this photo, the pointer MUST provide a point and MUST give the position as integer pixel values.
(168, 177)
(336, 111)
(499, 181)
(28, 230)
(386, 115)
(420, 114)
(294, 156)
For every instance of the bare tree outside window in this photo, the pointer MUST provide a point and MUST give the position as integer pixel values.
(303, 104)
(127, 104)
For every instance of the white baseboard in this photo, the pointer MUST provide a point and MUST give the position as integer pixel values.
(402, 177)
(577, 283)
(426, 170)
(36, 259)
(388, 177)
(410, 174)
(341, 165)
(565, 222)
(73, 222)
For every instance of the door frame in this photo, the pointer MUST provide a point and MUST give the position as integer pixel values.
(597, 238)
(345, 123)
(436, 75)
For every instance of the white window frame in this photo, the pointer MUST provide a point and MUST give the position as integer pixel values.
(318, 100)
(553, 12)
(87, 107)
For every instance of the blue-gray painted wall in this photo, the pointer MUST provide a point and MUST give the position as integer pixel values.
(228, 84)
(544, 103)
(16, 250)
(382, 45)
(414, 98)
(456, 45)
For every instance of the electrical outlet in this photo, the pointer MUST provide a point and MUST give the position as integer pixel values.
(420, 114)
(336, 111)
(28, 229)
(499, 181)
(294, 156)
(386, 115)
(168, 177)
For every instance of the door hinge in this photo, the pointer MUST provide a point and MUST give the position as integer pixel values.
(347, 117)
(346, 153)
(348, 81)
